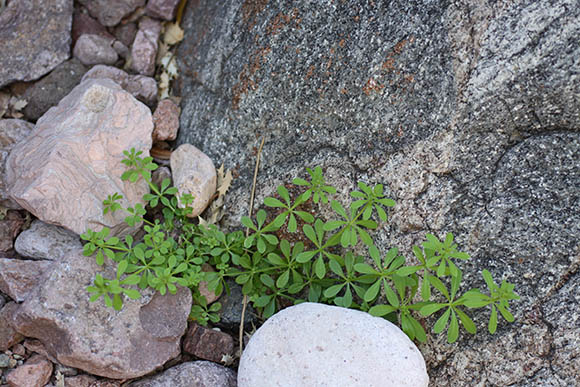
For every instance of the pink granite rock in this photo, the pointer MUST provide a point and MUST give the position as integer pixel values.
(193, 173)
(166, 121)
(95, 49)
(144, 50)
(72, 161)
(139, 86)
(8, 335)
(88, 335)
(11, 132)
(34, 373)
(18, 278)
(110, 12)
(162, 9)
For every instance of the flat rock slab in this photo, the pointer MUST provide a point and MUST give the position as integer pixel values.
(72, 161)
(34, 38)
(87, 335)
(319, 345)
(46, 241)
(191, 374)
(35, 372)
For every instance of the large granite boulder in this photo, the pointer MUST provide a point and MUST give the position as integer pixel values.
(72, 161)
(467, 111)
(78, 333)
(34, 38)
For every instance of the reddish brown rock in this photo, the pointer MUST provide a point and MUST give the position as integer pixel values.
(18, 277)
(34, 373)
(128, 343)
(10, 227)
(110, 12)
(207, 343)
(11, 133)
(84, 24)
(139, 86)
(34, 38)
(194, 173)
(162, 9)
(144, 50)
(8, 335)
(126, 33)
(166, 121)
(36, 346)
(72, 162)
(89, 381)
(95, 49)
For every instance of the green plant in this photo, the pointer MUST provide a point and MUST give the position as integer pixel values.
(319, 266)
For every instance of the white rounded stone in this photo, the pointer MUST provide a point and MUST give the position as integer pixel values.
(320, 345)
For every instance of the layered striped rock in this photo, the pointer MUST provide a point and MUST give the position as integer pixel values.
(72, 161)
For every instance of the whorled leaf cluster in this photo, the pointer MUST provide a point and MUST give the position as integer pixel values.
(274, 272)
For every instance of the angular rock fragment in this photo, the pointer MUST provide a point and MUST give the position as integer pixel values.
(208, 344)
(193, 173)
(46, 241)
(34, 38)
(139, 86)
(315, 344)
(110, 12)
(18, 278)
(72, 162)
(195, 373)
(88, 335)
(12, 131)
(10, 227)
(162, 9)
(94, 49)
(84, 24)
(126, 33)
(144, 50)
(166, 121)
(35, 372)
(8, 335)
(48, 91)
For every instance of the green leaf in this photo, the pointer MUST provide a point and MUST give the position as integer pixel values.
(283, 279)
(372, 291)
(467, 322)
(381, 310)
(320, 268)
(364, 268)
(441, 323)
(492, 325)
(453, 331)
(333, 290)
(272, 202)
(506, 314)
(132, 294)
(429, 309)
